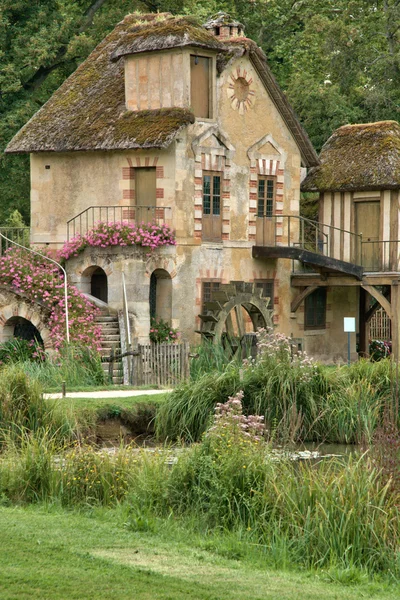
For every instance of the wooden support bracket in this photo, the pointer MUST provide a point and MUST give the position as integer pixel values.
(384, 302)
(302, 296)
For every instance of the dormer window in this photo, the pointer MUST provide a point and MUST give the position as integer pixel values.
(200, 88)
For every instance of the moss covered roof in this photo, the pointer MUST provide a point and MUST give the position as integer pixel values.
(358, 158)
(88, 111)
(165, 32)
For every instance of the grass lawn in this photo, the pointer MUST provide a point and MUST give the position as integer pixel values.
(98, 403)
(56, 555)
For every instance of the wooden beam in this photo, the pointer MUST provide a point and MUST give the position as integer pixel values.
(302, 296)
(319, 261)
(306, 279)
(384, 302)
(370, 313)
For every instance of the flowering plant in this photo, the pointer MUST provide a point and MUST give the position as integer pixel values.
(120, 233)
(42, 282)
(160, 331)
(232, 424)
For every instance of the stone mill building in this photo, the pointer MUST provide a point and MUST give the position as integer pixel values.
(174, 122)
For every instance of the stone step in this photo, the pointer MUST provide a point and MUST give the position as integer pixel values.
(108, 325)
(109, 337)
(106, 319)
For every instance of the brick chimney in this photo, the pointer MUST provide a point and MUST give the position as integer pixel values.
(223, 27)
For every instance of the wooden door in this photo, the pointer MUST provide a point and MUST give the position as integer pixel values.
(265, 221)
(367, 222)
(200, 86)
(145, 194)
(212, 209)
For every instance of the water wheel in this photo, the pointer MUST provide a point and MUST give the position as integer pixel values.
(234, 312)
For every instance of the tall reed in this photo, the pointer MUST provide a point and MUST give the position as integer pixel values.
(300, 400)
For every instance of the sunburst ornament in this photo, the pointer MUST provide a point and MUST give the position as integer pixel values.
(240, 92)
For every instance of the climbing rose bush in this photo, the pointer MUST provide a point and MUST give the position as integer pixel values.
(121, 233)
(42, 282)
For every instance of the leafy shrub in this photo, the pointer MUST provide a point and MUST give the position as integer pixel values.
(379, 349)
(160, 331)
(150, 235)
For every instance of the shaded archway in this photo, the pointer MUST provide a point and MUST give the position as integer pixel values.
(19, 327)
(94, 282)
(160, 295)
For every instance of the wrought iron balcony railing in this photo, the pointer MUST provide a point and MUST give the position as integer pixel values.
(87, 219)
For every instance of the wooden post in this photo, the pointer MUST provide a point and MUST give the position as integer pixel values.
(363, 348)
(395, 302)
(111, 367)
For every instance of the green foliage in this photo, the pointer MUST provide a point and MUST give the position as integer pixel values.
(161, 331)
(300, 400)
(76, 365)
(17, 350)
(21, 403)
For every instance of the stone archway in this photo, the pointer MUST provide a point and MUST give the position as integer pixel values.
(94, 282)
(160, 295)
(19, 327)
(27, 318)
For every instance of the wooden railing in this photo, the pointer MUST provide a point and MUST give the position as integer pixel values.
(87, 219)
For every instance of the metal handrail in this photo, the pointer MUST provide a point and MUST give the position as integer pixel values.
(318, 239)
(43, 256)
(81, 223)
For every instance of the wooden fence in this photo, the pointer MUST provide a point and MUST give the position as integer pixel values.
(161, 365)
(380, 326)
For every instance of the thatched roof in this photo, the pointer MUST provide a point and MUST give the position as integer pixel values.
(358, 158)
(88, 111)
(164, 34)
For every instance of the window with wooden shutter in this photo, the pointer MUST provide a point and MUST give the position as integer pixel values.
(145, 194)
(200, 92)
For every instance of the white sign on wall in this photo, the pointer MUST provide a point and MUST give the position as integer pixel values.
(349, 324)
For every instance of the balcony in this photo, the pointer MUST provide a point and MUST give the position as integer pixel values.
(317, 247)
(323, 247)
(87, 219)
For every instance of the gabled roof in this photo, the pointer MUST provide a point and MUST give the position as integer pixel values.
(88, 111)
(241, 45)
(358, 158)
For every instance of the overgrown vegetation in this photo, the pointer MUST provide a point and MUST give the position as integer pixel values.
(337, 514)
(299, 399)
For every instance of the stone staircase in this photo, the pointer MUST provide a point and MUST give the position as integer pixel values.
(110, 341)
